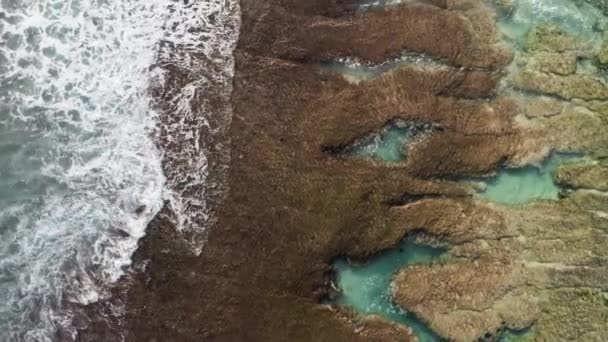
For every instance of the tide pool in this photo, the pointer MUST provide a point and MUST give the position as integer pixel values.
(388, 145)
(514, 186)
(356, 72)
(365, 288)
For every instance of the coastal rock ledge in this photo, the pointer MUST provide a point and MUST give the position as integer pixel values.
(293, 206)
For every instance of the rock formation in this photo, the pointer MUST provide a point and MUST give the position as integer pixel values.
(294, 205)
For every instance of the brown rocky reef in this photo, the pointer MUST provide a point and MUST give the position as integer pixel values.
(540, 265)
(292, 205)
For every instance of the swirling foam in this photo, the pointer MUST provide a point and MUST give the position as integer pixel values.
(80, 175)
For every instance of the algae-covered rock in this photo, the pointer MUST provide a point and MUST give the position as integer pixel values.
(583, 175)
(557, 63)
(542, 106)
(573, 314)
(593, 201)
(577, 130)
(551, 38)
(374, 328)
(475, 303)
(602, 56)
(580, 86)
(506, 7)
(550, 265)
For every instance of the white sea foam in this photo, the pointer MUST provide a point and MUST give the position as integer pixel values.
(195, 59)
(80, 174)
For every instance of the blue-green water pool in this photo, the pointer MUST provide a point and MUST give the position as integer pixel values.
(389, 145)
(365, 288)
(513, 186)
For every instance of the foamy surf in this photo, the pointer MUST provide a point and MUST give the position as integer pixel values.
(81, 174)
(192, 84)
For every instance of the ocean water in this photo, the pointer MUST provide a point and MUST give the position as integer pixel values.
(366, 288)
(81, 173)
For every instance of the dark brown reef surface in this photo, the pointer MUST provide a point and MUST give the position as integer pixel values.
(292, 206)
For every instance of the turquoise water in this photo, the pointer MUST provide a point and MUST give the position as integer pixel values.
(522, 185)
(389, 145)
(516, 335)
(576, 17)
(365, 288)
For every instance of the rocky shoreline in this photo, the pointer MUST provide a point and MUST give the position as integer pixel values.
(293, 206)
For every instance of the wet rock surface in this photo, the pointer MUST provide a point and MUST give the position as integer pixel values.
(510, 275)
(293, 205)
(537, 266)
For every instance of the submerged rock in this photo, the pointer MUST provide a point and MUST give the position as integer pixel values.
(602, 56)
(551, 38)
(542, 106)
(557, 63)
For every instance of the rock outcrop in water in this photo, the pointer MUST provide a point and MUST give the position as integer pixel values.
(293, 205)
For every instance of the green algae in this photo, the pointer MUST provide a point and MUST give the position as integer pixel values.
(365, 288)
(513, 186)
